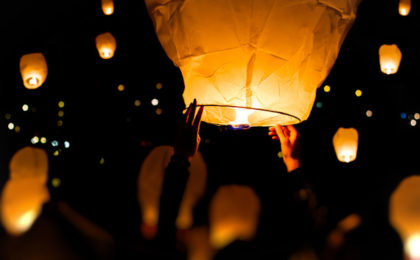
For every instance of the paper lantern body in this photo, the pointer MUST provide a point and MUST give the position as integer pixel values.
(21, 204)
(150, 186)
(234, 214)
(404, 7)
(256, 61)
(106, 45)
(107, 6)
(29, 162)
(198, 244)
(345, 143)
(33, 69)
(404, 213)
(389, 58)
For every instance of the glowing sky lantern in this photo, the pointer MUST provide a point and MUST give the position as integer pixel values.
(33, 69)
(404, 215)
(107, 6)
(389, 58)
(234, 214)
(21, 204)
(252, 63)
(404, 7)
(150, 186)
(29, 162)
(106, 45)
(345, 143)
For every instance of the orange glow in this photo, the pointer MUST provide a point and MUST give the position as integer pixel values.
(106, 45)
(404, 7)
(234, 214)
(150, 186)
(241, 118)
(389, 58)
(33, 69)
(404, 214)
(345, 143)
(21, 204)
(273, 61)
(108, 7)
(29, 162)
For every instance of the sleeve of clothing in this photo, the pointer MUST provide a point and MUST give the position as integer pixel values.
(173, 187)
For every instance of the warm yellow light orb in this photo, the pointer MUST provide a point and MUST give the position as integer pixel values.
(358, 93)
(327, 88)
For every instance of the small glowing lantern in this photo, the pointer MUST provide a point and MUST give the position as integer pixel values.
(106, 45)
(150, 182)
(404, 7)
(29, 162)
(21, 204)
(33, 69)
(345, 143)
(234, 214)
(389, 58)
(107, 6)
(404, 214)
(261, 71)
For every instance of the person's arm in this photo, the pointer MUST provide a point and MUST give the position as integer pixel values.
(176, 174)
(289, 139)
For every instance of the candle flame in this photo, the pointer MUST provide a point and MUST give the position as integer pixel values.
(241, 120)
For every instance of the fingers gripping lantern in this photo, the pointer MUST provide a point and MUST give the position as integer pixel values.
(256, 61)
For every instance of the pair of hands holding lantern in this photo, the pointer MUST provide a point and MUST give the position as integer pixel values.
(187, 138)
(290, 142)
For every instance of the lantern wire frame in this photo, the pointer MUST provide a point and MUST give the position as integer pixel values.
(247, 126)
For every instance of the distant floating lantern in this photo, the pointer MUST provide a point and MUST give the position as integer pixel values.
(404, 214)
(234, 214)
(262, 71)
(150, 182)
(345, 143)
(33, 69)
(21, 204)
(106, 45)
(389, 58)
(29, 162)
(404, 7)
(108, 7)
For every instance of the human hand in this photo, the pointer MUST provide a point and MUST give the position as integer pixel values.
(289, 139)
(187, 138)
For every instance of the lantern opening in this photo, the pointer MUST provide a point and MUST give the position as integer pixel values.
(108, 11)
(239, 117)
(106, 53)
(413, 246)
(33, 81)
(403, 11)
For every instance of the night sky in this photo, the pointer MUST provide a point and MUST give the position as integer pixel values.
(106, 133)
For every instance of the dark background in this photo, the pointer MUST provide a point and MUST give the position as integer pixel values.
(103, 124)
